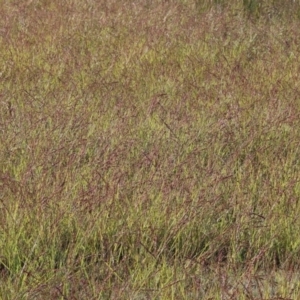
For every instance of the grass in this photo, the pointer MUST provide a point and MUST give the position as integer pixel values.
(149, 150)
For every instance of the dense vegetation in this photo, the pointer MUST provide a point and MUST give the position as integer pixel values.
(149, 149)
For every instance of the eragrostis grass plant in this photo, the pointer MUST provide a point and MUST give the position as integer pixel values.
(149, 150)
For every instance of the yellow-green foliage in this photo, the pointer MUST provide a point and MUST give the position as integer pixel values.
(149, 149)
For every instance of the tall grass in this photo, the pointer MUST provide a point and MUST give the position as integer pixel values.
(149, 150)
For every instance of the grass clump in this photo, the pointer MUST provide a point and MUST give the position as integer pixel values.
(149, 150)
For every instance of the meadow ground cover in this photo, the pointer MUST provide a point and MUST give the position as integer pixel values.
(149, 149)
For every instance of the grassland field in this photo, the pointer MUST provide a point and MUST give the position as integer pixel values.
(149, 149)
